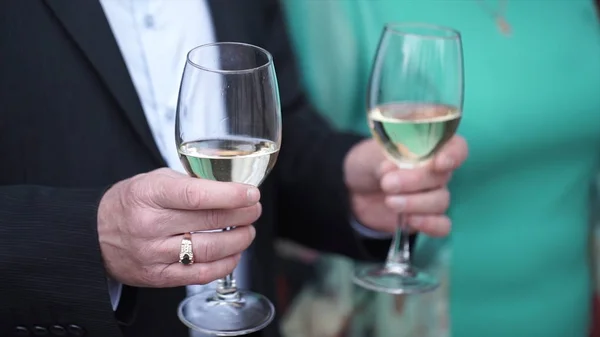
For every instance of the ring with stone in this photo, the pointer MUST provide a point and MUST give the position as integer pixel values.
(186, 256)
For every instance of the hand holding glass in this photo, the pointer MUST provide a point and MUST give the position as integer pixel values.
(228, 128)
(414, 107)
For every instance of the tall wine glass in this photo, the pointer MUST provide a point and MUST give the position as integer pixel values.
(228, 128)
(414, 107)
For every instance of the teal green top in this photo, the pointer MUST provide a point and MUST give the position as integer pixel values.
(520, 255)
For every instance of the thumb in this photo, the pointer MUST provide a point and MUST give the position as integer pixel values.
(186, 193)
(362, 167)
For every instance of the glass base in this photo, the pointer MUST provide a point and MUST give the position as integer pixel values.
(239, 314)
(398, 280)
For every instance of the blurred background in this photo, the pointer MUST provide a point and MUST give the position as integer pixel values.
(336, 40)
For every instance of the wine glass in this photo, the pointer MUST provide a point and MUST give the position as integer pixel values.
(228, 128)
(414, 104)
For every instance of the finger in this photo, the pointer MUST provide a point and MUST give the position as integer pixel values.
(410, 181)
(194, 193)
(371, 210)
(177, 274)
(386, 167)
(432, 225)
(208, 247)
(429, 202)
(452, 155)
(182, 221)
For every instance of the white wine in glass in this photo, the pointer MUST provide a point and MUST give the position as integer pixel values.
(228, 128)
(239, 160)
(411, 133)
(414, 107)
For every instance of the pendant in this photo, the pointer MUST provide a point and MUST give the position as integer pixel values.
(503, 26)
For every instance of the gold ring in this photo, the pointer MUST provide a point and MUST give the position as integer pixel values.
(186, 256)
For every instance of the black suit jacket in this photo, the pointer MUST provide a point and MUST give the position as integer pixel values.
(71, 125)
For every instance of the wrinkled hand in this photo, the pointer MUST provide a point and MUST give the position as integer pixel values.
(141, 221)
(380, 191)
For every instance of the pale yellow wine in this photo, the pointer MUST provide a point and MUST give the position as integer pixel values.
(240, 160)
(411, 133)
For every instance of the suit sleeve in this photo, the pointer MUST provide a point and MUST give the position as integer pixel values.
(314, 207)
(51, 269)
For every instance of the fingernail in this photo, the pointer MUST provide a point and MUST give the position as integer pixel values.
(445, 163)
(397, 203)
(253, 195)
(253, 232)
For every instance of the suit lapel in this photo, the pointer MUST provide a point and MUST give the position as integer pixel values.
(85, 22)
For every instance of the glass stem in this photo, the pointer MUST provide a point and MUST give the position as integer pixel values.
(226, 287)
(398, 258)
